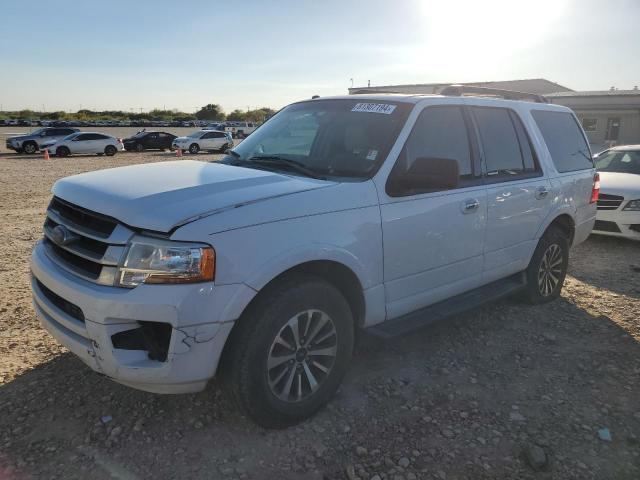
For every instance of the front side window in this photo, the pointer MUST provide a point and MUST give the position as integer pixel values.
(619, 161)
(506, 147)
(342, 138)
(566, 143)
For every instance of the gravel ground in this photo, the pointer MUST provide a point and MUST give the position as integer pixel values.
(506, 391)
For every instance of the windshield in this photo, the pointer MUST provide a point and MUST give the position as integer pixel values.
(196, 134)
(619, 161)
(347, 138)
(37, 132)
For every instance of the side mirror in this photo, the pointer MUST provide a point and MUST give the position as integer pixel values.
(430, 173)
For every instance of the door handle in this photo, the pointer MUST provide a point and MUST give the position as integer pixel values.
(541, 192)
(470, 205)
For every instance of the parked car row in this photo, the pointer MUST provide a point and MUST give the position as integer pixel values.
(245, 128)
(67, 141)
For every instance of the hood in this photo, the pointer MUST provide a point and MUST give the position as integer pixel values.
(161, 196)
(625, 184)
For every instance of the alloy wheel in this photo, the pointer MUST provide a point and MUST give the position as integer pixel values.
(302, 355)
(550, 270)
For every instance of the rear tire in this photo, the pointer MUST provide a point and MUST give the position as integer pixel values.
(548, 267)
(278, 385)
(110, 150)
(194, 148)
(63, 152)
(30, 147)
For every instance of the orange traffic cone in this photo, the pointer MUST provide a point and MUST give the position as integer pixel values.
(179, 152)
(46, 154)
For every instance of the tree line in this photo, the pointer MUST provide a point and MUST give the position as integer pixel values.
(207, 112)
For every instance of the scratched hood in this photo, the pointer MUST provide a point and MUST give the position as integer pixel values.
(160, 196)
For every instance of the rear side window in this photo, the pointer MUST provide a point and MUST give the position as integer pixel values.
(507, 150)
(565, 141)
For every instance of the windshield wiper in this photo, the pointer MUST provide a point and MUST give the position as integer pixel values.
(276, 161)
(234, 154)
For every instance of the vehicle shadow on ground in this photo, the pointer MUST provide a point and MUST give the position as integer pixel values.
(560, 366)
(608, 263)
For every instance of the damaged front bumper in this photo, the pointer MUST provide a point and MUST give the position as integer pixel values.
(157, 338)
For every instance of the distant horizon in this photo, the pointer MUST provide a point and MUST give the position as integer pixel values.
(141, 55)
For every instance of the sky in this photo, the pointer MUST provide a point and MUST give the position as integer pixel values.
(143, 54)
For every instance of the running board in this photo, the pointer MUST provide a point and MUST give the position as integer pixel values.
(446, 308)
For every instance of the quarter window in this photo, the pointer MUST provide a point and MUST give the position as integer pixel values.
(506, 147)
(565, 141)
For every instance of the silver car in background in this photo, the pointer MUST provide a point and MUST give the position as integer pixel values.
(32, 142)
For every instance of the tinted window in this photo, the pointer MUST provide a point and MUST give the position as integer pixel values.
(440, 132)
(84, 136)
(565, 141)
(503, 152)
(217, 135)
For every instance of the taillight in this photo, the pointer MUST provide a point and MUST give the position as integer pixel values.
(595, 191)
(119, 140)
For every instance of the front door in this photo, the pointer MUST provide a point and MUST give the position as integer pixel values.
(433, 240)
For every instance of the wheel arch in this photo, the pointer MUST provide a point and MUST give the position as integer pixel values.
(565, 223)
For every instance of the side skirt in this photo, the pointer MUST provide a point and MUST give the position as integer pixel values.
(446, 308)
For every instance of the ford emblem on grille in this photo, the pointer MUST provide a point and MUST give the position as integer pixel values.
(61, 235)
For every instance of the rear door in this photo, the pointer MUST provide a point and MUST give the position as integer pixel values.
(151, 140)
(164, 140)
(519, 197)
(433, 240)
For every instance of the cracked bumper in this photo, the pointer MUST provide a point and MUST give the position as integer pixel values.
(201, 317)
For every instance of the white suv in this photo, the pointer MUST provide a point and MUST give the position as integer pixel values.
(212, 140)
(361, 212)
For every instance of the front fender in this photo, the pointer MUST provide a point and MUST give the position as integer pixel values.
(316, 252)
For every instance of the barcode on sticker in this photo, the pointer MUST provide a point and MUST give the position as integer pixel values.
(374, 108)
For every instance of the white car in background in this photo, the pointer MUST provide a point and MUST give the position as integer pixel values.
(85, 143)
(619, 202)
(204, 140)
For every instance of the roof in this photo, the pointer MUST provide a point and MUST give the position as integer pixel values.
(417, 98)
(531, 85)
(595, 93)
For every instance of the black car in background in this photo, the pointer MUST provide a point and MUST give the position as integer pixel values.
(144, 140)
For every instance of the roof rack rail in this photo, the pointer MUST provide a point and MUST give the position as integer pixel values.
(369, 92)
(460, 90)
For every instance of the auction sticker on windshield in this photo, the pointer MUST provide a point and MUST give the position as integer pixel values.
(374, 108)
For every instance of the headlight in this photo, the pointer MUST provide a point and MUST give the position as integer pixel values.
(151, 260)
(632, 205)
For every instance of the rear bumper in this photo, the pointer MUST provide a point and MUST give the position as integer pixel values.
(618, 223)
(200, 315)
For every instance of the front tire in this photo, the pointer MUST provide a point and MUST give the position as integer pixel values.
(110, 150)
(139, 147)
(194, 148)
(548, 267)
(63, 152)
(30, 148)
(289, 353)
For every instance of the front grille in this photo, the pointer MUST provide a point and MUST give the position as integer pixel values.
(95, 223)
(605, 226)
(609, 202)
(64, 305)
(92, 244)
